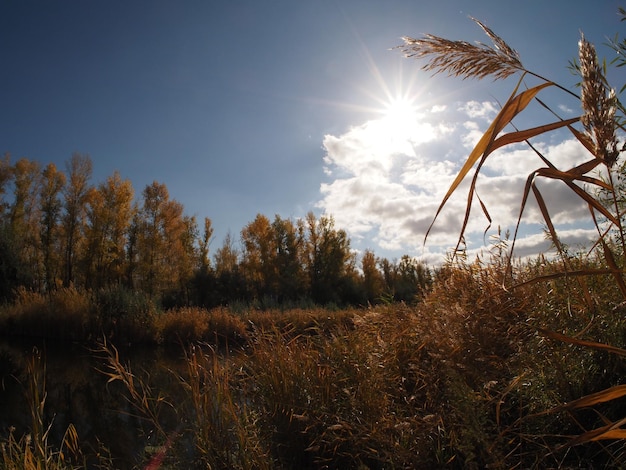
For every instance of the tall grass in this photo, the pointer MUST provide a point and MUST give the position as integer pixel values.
(392, 388)
(62, 314)
(462, 380)
(33, 450)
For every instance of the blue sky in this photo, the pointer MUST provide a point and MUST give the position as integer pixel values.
(278, 107)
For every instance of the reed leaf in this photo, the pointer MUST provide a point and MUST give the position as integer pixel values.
(521, 136)
(584, 343)
(617, 275)
(515, 105)
(610, 431)
(586, 167)
(585, 140)
(549, 277)
(569, 179)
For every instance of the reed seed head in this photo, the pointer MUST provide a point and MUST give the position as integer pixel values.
(462, 59)
(599, 104)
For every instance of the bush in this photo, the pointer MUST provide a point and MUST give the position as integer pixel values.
(124, 315)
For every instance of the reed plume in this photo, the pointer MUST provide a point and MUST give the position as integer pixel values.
(462, 59)
(599, 104)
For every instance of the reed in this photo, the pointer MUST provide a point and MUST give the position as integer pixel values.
(192, 324)
(33, 451)
(584, 278)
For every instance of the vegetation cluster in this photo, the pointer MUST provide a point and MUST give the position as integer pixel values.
(58, 230)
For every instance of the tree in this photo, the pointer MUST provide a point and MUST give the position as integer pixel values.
(259, 253)
(109, 212)
(203, 249)
(329, 258)
(6, 173)
(187, 262)
(53, 182)
(289, 242)
(160, 240)
(412, 279)
(204, 279)
(230, 284)
(226, 257)
(373, 281)
(79, 169)
(24, 220)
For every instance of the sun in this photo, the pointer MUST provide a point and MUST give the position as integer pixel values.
(400, 116)
(397, 130)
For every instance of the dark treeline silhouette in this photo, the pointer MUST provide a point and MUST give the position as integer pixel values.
(57, 229)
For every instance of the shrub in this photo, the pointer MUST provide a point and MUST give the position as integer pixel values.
(124, 315)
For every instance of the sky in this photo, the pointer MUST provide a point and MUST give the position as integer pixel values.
(249, 107)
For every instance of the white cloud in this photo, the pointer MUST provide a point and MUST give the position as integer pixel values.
(484, 110)
(472, 135)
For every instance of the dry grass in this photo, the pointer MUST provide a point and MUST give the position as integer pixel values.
(192, 324)
(62, 314)
(599, 104)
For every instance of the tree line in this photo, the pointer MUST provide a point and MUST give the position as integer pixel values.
(58, 229)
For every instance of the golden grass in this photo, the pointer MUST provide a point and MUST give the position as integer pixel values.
(62, 314)
(599, 104)
(193, 324)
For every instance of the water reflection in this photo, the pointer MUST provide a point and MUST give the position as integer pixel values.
(79, 394)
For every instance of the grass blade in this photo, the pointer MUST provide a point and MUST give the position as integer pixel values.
(515, 105)
(610, 431)
(521, 136)
(617, 273)
(584, 343)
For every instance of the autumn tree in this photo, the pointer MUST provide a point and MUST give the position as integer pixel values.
(79, 169)
(329, 259)
(406, 280)
(161, 249)
(24, 220)
(109, 212)
(229, 281)
(203, 248)
(373, 281)
(9, 263)
(187, 262)
(6, 173)
(290, 245)
(132, 249)
(258, 260)
(204, 280)
(52, 184)
(226, 257)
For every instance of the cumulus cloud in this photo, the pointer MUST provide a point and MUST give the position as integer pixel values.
(474, 109)
(386, 182)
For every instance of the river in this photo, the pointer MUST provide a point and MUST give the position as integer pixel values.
(78, 393)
